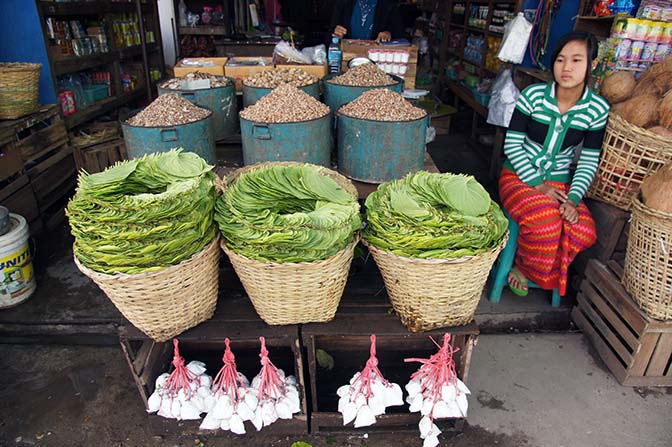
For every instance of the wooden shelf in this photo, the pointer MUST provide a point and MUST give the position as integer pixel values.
(79, 63)
(467, 96)
(53, 9)
(100, 107)
(203, 30)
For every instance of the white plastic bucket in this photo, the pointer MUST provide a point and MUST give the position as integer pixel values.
(17, 278)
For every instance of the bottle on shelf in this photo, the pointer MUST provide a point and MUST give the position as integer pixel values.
(335, 55)
(182, 13)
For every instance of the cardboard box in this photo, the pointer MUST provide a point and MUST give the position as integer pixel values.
(240, 72)
(316, 70)
(217, 69)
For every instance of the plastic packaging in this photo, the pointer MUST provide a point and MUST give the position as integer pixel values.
(316, 54)
(515, 40)
(503, 100)
(291, 54)
(335, 56)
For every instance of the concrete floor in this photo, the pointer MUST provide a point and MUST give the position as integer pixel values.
(528, 390)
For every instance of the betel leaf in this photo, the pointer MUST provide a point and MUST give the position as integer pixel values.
(324, 359)
(428, 215)
(300, 444)
(114, 174)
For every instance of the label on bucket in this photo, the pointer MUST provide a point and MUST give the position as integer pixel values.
(16, 274)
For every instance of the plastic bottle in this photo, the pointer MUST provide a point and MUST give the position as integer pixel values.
(182, 13)
(335, 56)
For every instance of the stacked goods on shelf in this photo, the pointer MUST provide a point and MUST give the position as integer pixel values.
(144, 232)
(170, 121)
(393, 58)
(290, 230)
(492, 62)
(434, 238)
(381, 137)
(262, 83)
(287, 125)
(648, 260)
(501, 15)
(638, 138)
(215, 93)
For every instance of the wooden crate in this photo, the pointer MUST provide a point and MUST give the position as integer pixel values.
(240, 72)
(18, 197)
(346, 339)
(97, 157)
(356, 48)
(236, 319)
(636, 348)
(216, 69)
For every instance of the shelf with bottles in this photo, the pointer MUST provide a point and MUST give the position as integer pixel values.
(88, 7)
(79, 91)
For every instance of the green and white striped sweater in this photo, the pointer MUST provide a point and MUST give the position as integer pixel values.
(540, 143)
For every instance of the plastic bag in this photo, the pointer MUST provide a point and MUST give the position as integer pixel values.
(515, 40)
(503, 100)
(290, 54)
(317, 54)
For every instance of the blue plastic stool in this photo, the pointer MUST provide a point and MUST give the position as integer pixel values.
(505, 263)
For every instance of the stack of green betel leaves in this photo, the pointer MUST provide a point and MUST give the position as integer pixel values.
(145, 214)
(287, 213)
(427, 215)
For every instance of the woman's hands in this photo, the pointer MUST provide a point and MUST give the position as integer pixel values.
(340, 31)
(569, 212)
(567, 208)
(383, 36)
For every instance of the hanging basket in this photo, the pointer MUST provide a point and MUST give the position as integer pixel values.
(433, 293)
(629, 154)
(294, 292)
(19, 89)
(648, 261)
(166, 303)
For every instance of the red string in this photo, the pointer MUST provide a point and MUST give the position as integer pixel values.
(271, 385)
(227, 379)
(437, 371)
(362, 383)
(181, 377)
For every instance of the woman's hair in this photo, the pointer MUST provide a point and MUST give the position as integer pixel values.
(580, 36)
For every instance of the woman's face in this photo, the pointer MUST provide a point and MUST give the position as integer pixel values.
(569, 68)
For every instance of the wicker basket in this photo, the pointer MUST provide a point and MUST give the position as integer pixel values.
(294, 292)
(164, 304)
(648, 261)
(433, 293)
(19, 88)
(629, 154)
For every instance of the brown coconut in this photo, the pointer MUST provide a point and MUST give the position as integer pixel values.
(647, 85)
(662, 131)
(618, 86)
(617, 109)
(641, 110)
(665, 110)
(656, 189)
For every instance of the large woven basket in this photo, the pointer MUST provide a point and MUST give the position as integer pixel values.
(166, 303)
(629, 154)
(648, 261)
(433, 293)
(294, 292)
(19, 89)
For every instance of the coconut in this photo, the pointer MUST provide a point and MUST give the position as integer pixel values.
(662, 131)
(642, 110)
(663, 81)
(647, 85)
(665, 111)
(617, 109)
(618, 86)
(656, 189)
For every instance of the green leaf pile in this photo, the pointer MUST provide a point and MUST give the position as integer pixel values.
(426, 215)
(145, 214)
(287, 213)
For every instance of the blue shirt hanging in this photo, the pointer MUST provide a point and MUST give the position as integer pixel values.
(361, 23)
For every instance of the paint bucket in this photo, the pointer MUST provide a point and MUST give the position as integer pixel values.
(17, 279)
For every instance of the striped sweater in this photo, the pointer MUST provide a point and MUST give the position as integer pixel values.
(540, 143)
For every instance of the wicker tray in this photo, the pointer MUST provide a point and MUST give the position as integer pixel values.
(19, 89)
(433, 293)
(166, 303)
(294, 292)
(648, 261)
(629, 154)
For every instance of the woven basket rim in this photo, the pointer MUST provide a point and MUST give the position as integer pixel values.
(166, 271)
(638, 203)
(619, 121)
(435, 261)
(343, 181)
(318, 262)
(19, 66)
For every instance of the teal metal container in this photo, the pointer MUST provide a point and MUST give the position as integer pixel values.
(198, 137)
(254, 94)
(220, 100)
(305, 141)
(380, 151)
(336, 95)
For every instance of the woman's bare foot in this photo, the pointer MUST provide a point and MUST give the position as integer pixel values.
(518, 282)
